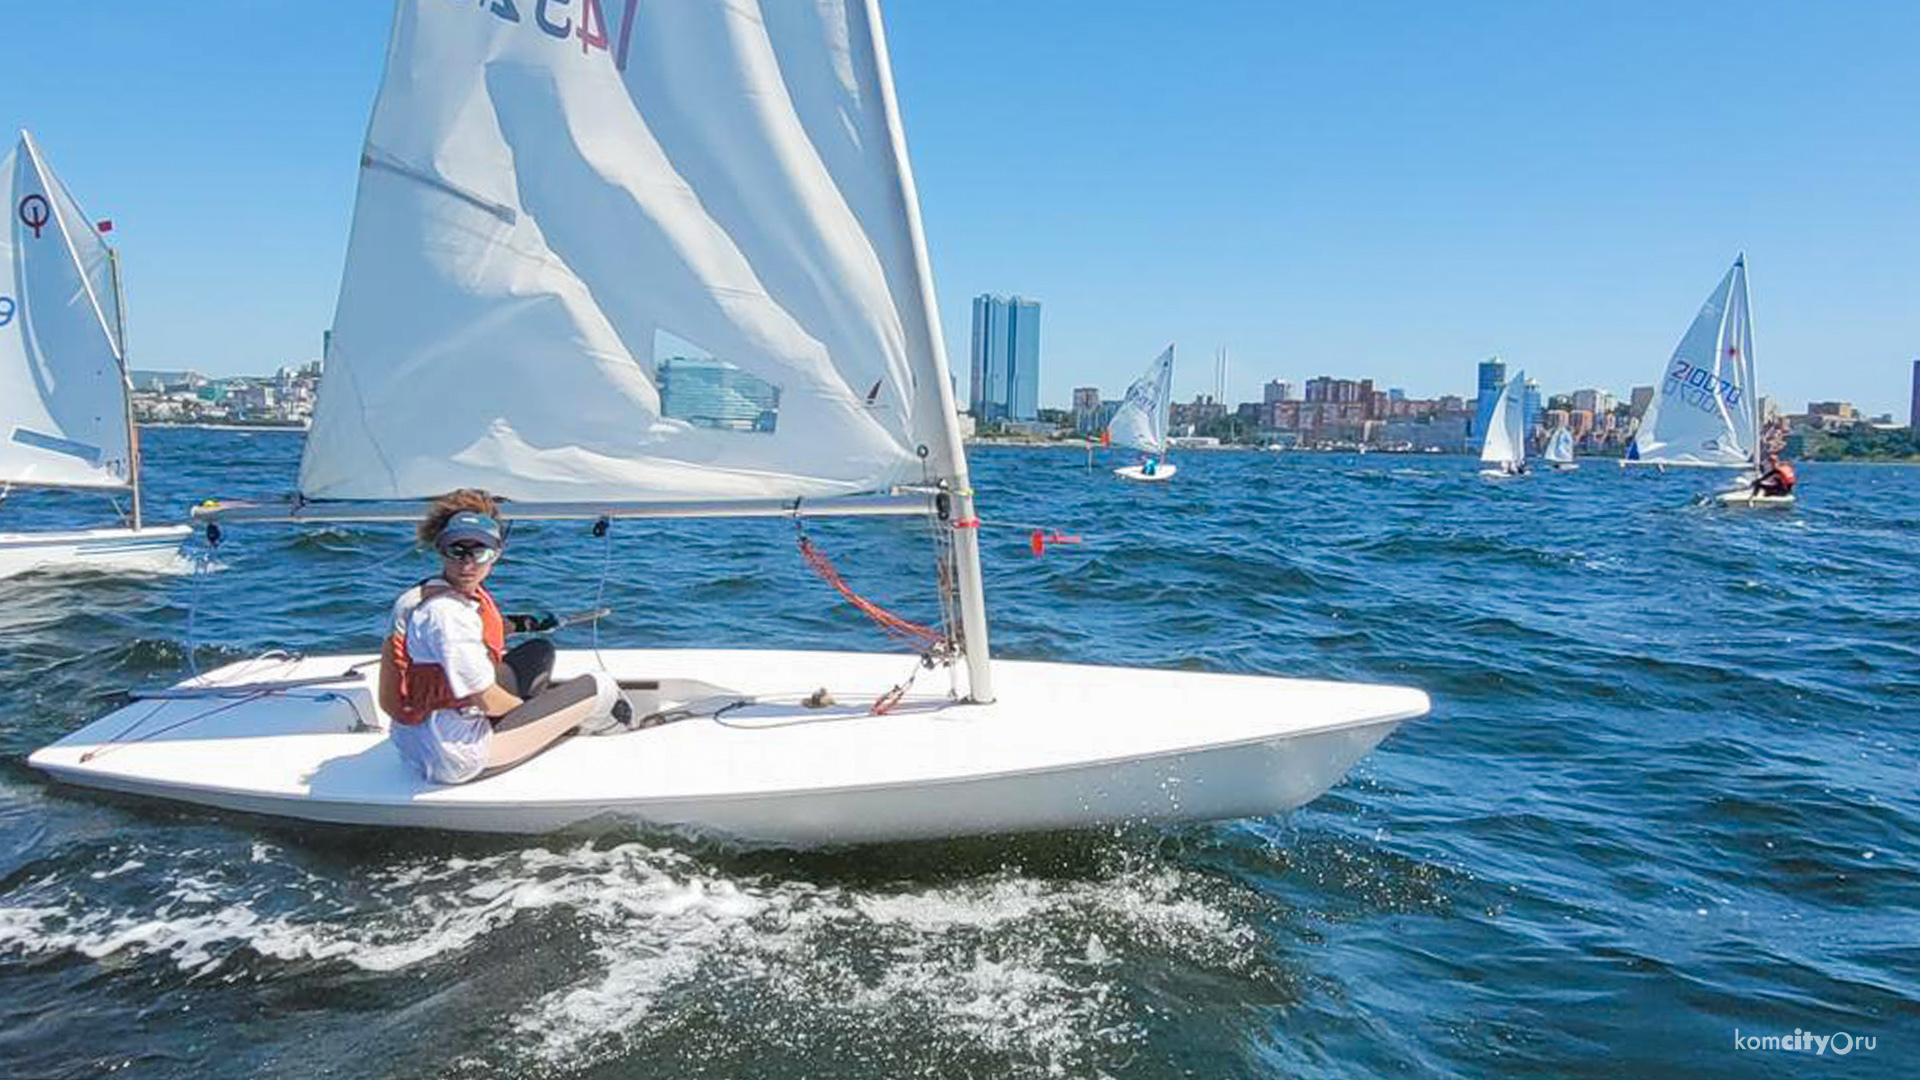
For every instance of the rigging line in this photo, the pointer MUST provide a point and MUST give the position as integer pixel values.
(200, 563)
(115, 742)
(605, 528)
(943, 569)
(921, 638)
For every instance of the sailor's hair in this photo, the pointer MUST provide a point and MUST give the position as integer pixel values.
(454, 502)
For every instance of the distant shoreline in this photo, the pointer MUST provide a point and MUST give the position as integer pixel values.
(226, 427)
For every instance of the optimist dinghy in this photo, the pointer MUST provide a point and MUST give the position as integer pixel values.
(1560, 450)
(550, 235)
(65, 421)
(1141, 422)
(1505, 447)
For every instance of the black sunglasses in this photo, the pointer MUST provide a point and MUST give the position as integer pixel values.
(470, 551)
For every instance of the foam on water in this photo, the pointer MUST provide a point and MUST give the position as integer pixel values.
(1008, 965)
(1666, 791)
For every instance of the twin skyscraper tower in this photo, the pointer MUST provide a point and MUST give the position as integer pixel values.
(1006, 359)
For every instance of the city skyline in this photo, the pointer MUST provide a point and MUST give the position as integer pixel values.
(1319, 189)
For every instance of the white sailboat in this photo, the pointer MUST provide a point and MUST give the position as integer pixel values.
(1706, 410)
(1505, 447)
(1141, 422)
(65, 421)
(1560, 450)
(529, 217)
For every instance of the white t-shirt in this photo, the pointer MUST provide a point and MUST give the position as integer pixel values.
(450, 746)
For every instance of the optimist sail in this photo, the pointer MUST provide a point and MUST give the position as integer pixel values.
(1706, 409)
(1141, 420)
(1560, 447)
(626, 251)
(1506, 425)
(63, 404)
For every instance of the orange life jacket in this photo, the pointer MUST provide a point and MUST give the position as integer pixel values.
(409, 691)
(1784, 470)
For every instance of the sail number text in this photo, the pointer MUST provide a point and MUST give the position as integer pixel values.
(1700, 387)
(583, 20)
(6, 310)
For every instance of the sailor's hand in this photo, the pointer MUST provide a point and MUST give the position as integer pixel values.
(532, 622)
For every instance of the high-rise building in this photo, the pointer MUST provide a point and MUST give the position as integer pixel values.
(1006, 358)
(1530, 420)
(1278, 390)
(1493, 376)
(1641, 398)
(1593, 401)
(1086, 409)
(1913, 408)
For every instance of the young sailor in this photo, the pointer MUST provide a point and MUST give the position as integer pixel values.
(1776, 479)
(463, 705)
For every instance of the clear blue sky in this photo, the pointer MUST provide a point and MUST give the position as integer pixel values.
(1393, 190)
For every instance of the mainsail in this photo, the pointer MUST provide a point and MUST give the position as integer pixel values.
(1705, 410)
(1506, 424)
(633, 252)
(63, 404)
(1560, 446)
(1141, 420)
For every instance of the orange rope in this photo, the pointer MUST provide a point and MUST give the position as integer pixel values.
(922, 638)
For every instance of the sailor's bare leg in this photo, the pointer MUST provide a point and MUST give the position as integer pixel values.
(539, 721)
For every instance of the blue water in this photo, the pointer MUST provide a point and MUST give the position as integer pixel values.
(1666, 796)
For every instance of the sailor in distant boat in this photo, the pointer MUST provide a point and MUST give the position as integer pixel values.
(1777, 479)
(463, 705)
(1151, 466)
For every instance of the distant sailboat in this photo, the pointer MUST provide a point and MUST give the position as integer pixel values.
(1705, 411)
(1141, 421)
(1560, 450)
(65, 421)
(1505, 448)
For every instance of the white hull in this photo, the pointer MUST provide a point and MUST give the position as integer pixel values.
(1064, 747)
(1137, 472)
(151, 550)
(1500, 474)
(1565, 466)
(1748, 500)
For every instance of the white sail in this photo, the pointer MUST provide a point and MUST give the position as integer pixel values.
(1141, 420)
(63, 406)
(1560, 446)
(633, 251)
(1506, 424)
(1705, 409)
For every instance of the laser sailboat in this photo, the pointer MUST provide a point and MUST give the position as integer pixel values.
(674, 267)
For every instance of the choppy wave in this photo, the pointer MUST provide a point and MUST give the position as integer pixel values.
(1666, 792)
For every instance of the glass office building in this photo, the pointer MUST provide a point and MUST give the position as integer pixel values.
(1005, 364)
